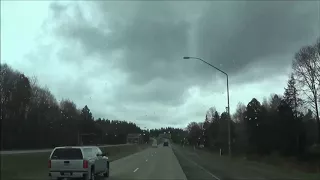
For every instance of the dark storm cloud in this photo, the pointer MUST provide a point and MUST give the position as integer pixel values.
(151, 38)
(151, 48)
(154, 36)
(257, 30)
(153, 43)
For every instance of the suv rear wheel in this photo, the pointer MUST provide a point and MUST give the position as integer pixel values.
(106, 174)
(86, 177)
(92, 175)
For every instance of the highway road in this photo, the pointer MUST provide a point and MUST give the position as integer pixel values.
(184, 163)
(45, 150)
(177, 163)
(152, 163)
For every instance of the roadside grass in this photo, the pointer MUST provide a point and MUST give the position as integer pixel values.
(277, 164)
(14, 166)
(268, 166)
(35, 165)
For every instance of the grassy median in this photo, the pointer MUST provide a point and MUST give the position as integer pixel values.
(34, 166)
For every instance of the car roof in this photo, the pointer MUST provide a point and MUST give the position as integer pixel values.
(79, 147)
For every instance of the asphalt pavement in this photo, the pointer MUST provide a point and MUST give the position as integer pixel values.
(152, 163)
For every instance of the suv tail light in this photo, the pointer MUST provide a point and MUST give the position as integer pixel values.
(85, 164)
(49, 163)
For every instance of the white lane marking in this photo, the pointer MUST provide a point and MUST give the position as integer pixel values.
(146, 160)
(136, 170)
(212, 175)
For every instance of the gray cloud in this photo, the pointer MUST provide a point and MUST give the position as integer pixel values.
(247, 32)
(57, 9)
(149, 38)
(152, 43)
(165, 92)
(153, 36)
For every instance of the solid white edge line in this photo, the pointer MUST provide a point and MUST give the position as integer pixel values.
(205, 170)
(136, 170)
(201, 167)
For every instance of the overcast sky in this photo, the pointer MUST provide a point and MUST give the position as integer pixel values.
(124, 59)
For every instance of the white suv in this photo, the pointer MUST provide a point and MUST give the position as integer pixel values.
(78, 162)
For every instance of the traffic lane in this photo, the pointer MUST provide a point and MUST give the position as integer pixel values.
(166, 165)
(154, 163)
(119, 168)
(163, 164)
(224, 168)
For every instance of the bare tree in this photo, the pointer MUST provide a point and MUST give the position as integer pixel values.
(306, 69)
(194, 131)
(317, 59)
(210, 113)
(239, 114)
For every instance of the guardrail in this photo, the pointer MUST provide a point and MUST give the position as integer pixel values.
(48, 150)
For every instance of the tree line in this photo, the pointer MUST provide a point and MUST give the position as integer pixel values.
(32, 118)
(286, 123)
(177, 134)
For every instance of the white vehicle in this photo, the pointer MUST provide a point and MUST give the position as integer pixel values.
(78, 162)
(155, 145)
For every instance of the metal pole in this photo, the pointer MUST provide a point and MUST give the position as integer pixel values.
(78, 143)
(229, 119)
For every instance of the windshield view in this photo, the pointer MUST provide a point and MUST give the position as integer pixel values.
(160, 90)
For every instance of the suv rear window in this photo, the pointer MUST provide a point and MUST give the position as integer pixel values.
(67, 153)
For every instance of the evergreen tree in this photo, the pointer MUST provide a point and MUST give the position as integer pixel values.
(291, 95)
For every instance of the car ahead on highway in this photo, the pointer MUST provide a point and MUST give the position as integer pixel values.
(78, 162)
(166, 143)
(154, 145)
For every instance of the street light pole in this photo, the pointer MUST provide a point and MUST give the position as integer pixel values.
(228, 98)
(229, 117)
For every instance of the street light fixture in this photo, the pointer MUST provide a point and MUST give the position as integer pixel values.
(229, 119)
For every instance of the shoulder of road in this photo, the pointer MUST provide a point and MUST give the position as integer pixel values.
(201, 164)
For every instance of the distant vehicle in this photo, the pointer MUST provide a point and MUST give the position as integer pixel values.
(166, 143)
(78, 162)
(154, 145)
